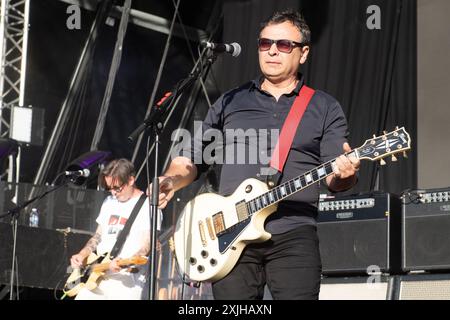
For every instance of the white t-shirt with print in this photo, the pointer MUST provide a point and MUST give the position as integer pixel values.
(112, 218)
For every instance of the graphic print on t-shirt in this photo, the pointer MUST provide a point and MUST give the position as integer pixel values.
(116, 224)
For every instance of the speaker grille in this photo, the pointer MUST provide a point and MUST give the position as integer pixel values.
(425, 290)
(426, 242)
(353, 246)
(42, 255)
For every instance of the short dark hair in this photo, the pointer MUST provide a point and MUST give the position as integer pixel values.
(294, 17)
(120, 169)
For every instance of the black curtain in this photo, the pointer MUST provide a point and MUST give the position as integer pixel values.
(372, 73)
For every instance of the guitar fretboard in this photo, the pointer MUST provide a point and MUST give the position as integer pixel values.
(292, 186)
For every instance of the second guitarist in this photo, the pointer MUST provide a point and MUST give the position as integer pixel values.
(118, 283)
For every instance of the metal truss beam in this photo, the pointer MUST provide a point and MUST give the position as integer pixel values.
(13, 56)
(146, 20)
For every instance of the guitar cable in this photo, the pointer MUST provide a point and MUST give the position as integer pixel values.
(182, 277)
(64, 259)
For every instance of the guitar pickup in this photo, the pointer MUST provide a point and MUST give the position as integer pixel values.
(209, 225)
(218, 222)
(241, 210)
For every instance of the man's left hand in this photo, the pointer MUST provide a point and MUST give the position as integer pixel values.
(346, 166)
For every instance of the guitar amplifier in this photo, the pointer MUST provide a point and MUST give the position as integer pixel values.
(426, 230)
(360, 234)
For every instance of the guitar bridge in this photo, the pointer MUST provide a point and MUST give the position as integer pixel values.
(201, 230)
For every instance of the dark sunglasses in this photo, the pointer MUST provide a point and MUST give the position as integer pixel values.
(283, 45)
(116, 189)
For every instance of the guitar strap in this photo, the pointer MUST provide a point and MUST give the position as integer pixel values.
(289, 129)
(124, 233)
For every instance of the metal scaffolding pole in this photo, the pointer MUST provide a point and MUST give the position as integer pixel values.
(115, 64)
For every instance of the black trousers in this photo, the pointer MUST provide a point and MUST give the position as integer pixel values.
(288, 263)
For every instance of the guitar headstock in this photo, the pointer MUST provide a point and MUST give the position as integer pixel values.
(385, 145)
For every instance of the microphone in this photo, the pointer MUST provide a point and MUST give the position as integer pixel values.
(233, 48)
(81, 173)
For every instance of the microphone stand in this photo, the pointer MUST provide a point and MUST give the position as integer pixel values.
(14, 213)
(155, 122)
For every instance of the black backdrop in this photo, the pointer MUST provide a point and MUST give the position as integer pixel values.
(371, 72)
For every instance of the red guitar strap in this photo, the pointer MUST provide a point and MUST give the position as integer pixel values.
(289, 129)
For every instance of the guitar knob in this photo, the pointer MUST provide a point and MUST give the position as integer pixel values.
(248, 188)
(382, 162)
(201, 269)
(405, 155)
(394, 158)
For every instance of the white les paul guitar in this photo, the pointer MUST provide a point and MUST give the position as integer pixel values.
(213, 230)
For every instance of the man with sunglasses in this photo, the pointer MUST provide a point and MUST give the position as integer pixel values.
(118, 177)
(289, 262)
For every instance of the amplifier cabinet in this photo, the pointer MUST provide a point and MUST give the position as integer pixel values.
(360, 234)
(426, 230)
(42, 255)
(357, 288)
(422, 287)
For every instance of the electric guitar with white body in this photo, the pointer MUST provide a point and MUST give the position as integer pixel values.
(212, 230)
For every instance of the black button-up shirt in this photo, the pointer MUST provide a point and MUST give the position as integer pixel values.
(246, 117)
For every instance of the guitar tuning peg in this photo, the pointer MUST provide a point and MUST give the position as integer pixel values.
(374, 136)
(382, 162)
(405, 155)
(396, 128)
(385, 132)
(394, 158)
